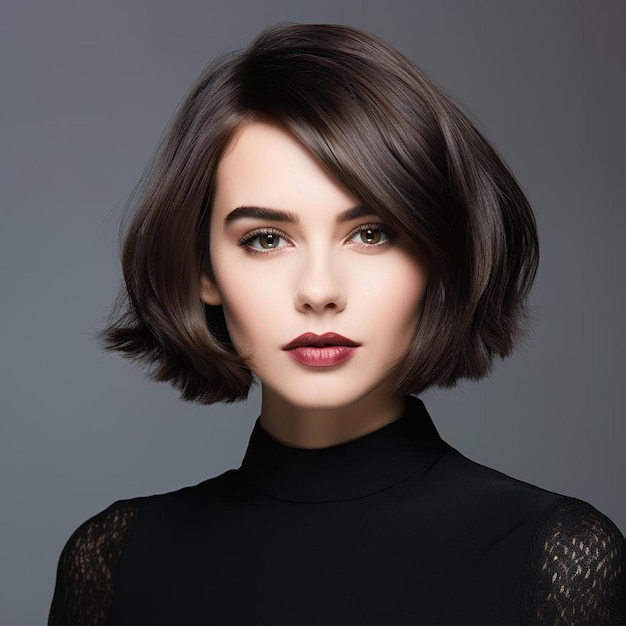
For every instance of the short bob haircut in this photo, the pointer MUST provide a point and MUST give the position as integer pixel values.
(383, 130)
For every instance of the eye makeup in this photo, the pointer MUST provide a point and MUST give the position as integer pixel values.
(275, 235)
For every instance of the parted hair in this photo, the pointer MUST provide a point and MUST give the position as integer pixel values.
(395, 141)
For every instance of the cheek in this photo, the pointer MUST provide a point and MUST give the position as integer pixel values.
(236, 313)
(400, 293)
(408, 312)
(249, 306)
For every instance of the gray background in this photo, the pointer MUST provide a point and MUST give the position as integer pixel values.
(87, 89)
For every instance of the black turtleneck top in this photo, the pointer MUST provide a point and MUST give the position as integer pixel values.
(395, 527)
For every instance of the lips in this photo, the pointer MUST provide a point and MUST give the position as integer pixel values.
(318, 341)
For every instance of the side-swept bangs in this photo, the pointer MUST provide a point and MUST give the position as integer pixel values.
(393, 140)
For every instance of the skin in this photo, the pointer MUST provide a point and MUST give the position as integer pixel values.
(317, 276)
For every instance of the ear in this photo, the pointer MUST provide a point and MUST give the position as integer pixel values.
(209, 294)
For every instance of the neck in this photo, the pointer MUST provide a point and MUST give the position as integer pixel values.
(326, 424)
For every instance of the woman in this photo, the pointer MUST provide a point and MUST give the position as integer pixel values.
(322, 219)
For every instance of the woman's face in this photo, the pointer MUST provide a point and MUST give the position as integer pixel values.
(277, 279)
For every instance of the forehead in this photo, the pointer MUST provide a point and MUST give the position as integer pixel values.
(265, 163)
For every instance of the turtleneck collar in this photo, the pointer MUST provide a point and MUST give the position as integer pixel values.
(353, 469)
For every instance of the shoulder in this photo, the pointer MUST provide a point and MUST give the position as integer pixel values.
(576, 567)
(96, 545)
(88, 563)
(104, 533)
(490, 490)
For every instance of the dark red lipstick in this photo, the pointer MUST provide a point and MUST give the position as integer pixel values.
(324, 350)
(319, 341)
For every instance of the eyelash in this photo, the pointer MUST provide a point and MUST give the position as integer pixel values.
(247, 239)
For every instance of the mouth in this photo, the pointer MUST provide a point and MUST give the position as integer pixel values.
(320, 341)
(323, 356)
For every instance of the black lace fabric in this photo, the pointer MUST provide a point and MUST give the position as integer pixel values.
(576, 572)
(87, 567)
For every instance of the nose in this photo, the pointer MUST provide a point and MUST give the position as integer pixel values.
(319, 286)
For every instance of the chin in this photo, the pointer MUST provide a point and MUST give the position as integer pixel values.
(321, 397)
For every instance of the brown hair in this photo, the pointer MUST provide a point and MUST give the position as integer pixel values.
(396, 142)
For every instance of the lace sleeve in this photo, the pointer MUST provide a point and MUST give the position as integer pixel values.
(86, 571)
(576, 570)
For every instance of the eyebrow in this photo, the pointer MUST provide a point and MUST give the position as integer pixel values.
(276, 215)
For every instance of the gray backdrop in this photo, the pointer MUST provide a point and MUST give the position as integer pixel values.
(87, 89)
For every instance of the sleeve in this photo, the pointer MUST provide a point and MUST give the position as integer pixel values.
(86, 571)
(576, 569)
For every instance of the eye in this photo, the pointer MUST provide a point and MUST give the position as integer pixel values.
(267, 238)
(371, 235)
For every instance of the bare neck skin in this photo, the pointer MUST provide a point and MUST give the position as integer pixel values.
(314, 428)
